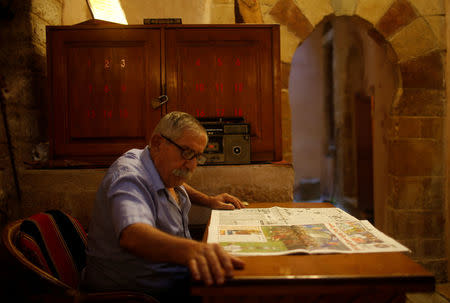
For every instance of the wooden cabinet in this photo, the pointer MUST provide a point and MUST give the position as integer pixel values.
(102, 79)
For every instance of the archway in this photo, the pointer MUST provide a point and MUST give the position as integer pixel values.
(341, 76)
(412, 206)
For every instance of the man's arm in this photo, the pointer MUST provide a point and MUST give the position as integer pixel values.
(222, 201)
(207, 262)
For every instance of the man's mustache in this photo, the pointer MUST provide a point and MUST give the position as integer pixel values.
(183, 173)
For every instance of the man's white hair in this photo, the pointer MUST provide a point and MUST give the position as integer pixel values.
(174, 124)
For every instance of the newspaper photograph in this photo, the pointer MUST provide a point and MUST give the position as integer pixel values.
(280, 231)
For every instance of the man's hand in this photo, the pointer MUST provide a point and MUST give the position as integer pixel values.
(222, 201)
(225, 201)
(207, 262)
(210, 263)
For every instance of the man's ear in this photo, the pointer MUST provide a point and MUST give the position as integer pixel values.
(156, 141)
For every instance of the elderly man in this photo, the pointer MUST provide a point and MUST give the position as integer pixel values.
(138, 237)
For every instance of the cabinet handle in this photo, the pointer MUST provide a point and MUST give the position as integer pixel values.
(158, 101)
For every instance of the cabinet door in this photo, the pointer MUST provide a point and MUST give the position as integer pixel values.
(228, 72)
(101, 84)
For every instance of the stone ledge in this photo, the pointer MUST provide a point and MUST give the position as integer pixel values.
(261, 182)
(73, 190)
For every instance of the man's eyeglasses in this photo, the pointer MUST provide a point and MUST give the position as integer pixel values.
(188, 153)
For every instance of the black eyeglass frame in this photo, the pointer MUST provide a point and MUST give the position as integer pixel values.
(187, 153)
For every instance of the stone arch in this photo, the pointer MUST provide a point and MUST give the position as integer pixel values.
(415, 34)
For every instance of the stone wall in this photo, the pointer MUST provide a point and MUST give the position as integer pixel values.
(24, 109)
(446, 127)
(73, 190)
(413, 129)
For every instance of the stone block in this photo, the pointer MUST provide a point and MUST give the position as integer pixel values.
(409, 243)
(286, 126)
(4, 153)
(344, 7)
(262, 183)
(288, 44)
(432, 128)
(416, 158)
(315, 11)
(19, 88)
(48, 10)
(39, 58)
(420, 102)
(429, 7)
(78, 204)
(389, 222)
(397, 16)
(26, 124)
(437, 266)
(36, 201)
(373, 10)
(250, 11)
(267, 17)
(22, 152)
(224, 1)
(414, 127)
(6, 178)
(285, 72)
(222, 14)
(62, 180)
(429, 249)
(287, 13)
(17, 29)
(437, 24)
(424, 72)
(265, 9)
(3, 138)
(38, 32)
(418, 224)
(25, 88)
(408, 127)
(414, 40)
(72, 191)
(268, 2)
(16, 56)
(417, 193)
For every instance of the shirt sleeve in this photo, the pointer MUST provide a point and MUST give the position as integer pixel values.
(130, 202)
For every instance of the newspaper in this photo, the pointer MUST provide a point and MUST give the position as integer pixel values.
(281, 231)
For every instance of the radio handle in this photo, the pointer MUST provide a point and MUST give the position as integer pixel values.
(158, 101)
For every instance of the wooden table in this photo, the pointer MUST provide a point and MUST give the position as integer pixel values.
(362, 277)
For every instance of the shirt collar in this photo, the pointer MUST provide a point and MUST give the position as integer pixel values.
(147, 160)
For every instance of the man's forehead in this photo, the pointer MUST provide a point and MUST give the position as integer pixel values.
(194, 134)
(196, 138)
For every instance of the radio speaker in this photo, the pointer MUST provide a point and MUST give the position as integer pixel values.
(236, 148)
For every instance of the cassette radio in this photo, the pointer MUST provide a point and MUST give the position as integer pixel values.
(228, 140)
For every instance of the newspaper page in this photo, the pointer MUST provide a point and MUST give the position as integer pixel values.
(280, 231)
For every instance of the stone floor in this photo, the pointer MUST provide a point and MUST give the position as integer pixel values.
(441, 295)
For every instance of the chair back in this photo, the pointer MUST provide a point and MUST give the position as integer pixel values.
(52, 244)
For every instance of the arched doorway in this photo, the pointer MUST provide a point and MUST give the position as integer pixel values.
(410, 174)
(341, 85)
